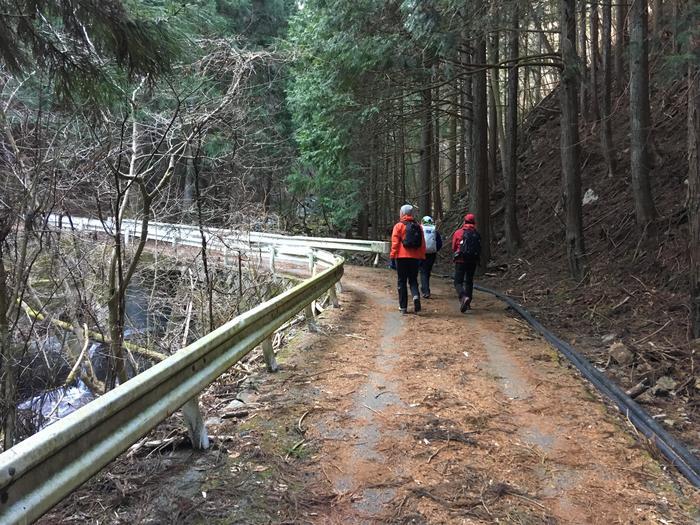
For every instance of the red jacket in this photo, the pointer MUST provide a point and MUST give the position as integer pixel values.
(457, 238)
(398, 250)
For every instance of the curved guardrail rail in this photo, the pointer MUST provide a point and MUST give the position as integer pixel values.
(221, 238)
(38, 472)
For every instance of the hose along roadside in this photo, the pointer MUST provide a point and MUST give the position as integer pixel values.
(675, 451)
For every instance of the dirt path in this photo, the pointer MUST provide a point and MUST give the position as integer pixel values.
(453, 418)
(384, 418)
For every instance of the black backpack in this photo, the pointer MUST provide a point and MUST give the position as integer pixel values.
(414, 235)
(470, 245)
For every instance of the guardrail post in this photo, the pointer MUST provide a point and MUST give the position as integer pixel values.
(312, 262)
(310, 319)
(269, 355)
(333, 297)
(195, 424)
(339, 287)
(312, 269)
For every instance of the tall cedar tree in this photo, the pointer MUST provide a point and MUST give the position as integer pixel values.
(606, 106)
(510, 167)
(694, 180)
(640, 114)
(480, 146)
(571, 174)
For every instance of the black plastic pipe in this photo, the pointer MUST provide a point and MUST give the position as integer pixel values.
(677, 453)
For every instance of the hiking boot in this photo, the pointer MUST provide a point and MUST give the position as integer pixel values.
(403, 310)
(416, 304)
(464, 304)
(426, 295)
(469, 303)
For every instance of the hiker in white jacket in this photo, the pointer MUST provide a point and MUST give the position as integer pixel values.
(433, 243)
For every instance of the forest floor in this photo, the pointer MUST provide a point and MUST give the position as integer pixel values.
(440, 417)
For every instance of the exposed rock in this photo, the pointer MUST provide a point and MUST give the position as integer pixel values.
(236, 404)
(620, 353)
(609, 338)
(664, 385)
(589, 197)
(645, 398)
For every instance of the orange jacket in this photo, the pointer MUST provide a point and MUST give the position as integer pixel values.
(398, 250)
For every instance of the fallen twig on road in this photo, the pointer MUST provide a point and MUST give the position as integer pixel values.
(438, 451)
(370, 408)
(300, 429)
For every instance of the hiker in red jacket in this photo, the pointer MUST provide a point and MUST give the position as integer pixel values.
(407, 251)
(466, 249)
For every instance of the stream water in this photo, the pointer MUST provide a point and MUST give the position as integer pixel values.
(51, 405)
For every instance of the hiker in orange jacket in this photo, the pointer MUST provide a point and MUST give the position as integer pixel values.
(407, 251)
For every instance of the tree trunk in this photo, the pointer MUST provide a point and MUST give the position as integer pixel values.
(396, 183)
(571, 175)
(452, 149)
(388, 185)
(620, 23)
(658, 17)
(481, 161)
(203, 236)
(493, 58)
(468, 132)
(640, 118)
(462, 112)
(462, 144)
(674, 26)
(9, 367)
(426, 148)
(537, 72)
(694, 185)
(363, 221)
(373, 195)
(595, 55)
(402, 153)
(189, 190)
(606, 110)
(583, 57)
(510, 167)
(435, 156)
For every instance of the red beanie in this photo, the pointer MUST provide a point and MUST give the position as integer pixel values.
(469, 218)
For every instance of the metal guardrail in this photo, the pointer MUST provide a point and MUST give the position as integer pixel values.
(224, 239)
(40, 471)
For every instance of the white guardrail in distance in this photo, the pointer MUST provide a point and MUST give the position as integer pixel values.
(40, 471)
(221, 238)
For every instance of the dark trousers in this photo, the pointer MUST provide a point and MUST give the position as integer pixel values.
(426, 267)
(407, 270)
(464, 278)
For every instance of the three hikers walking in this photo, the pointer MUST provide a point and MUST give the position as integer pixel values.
(414, 248)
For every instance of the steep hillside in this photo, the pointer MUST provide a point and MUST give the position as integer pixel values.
(637, 292)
